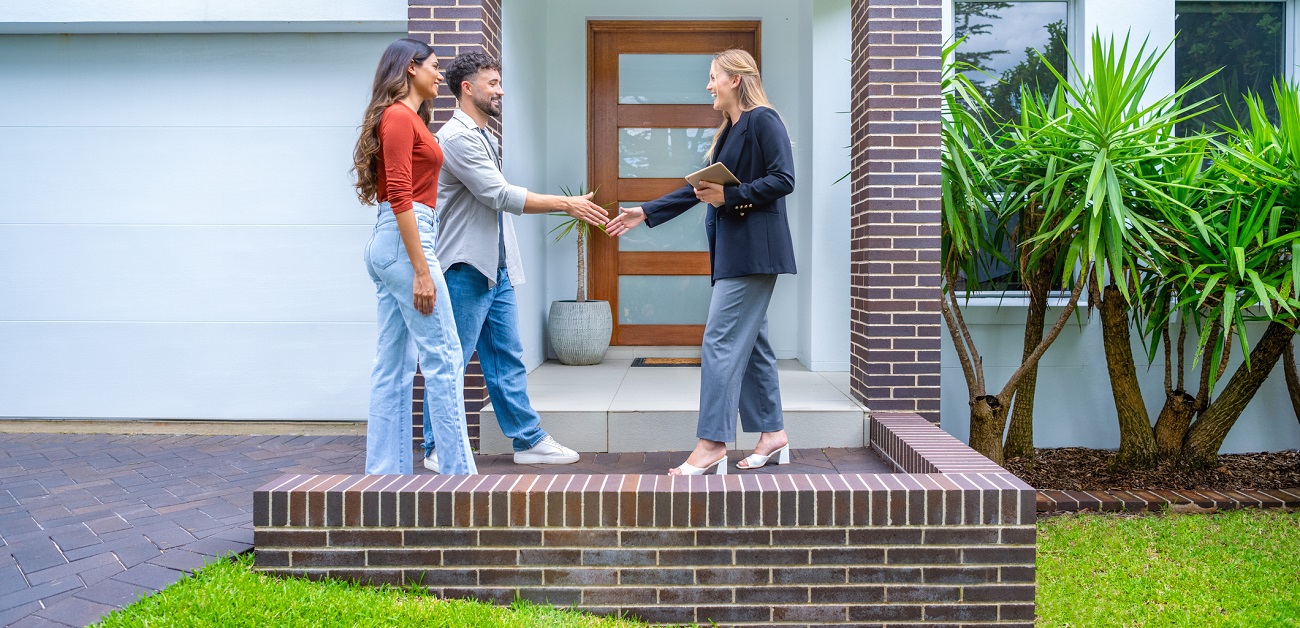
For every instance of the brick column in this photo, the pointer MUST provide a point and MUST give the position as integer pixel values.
(453, 27)
(895, 218)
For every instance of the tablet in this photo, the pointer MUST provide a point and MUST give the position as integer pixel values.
(715, 172)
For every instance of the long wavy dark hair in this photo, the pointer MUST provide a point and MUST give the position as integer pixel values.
(392, 83)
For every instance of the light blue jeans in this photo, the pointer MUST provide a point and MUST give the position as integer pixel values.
(435, 342)
(488, 319)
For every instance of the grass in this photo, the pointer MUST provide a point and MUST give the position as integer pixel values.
(1236, 568)
(228, 593)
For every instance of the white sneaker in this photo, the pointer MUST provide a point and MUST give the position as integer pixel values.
(431, 461)
(546, 452)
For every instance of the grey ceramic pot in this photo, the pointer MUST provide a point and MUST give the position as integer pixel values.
(580, 331)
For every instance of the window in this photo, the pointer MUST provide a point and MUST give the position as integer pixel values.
(1245, 39)
(1004, 39)
(1007, 42)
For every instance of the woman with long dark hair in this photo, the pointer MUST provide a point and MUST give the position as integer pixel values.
(396, 163)
(749, 245)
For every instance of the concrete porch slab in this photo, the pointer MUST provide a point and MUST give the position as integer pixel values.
(615, 407)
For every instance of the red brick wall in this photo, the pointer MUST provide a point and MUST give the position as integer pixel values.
(895, 218)
(453, 27)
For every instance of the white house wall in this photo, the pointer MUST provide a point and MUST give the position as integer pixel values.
(1074, 406)
(179, 236)
(525, 157)
(824, 245)
(201, 16)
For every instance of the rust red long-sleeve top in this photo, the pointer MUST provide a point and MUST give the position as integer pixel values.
(409, 159)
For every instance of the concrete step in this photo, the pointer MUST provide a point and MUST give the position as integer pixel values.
(614, 407)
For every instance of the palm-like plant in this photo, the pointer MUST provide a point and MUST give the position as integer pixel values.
(1240, 263)
(582, 229)
(988, 186)
(1106, 208)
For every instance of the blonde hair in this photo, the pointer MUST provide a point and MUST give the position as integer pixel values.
(737, 62)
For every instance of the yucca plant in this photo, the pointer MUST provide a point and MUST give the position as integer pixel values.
(582, 230)
(990, 184)
(1240, 263)
(1106, 208)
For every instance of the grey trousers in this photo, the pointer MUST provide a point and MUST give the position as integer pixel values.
(738, 367)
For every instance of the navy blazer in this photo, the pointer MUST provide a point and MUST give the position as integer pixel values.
(749, 234)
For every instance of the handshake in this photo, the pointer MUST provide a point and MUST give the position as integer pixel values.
(582, 208)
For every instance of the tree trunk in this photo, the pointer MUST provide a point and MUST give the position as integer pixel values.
(1020, 436)
(987, 418)
(1292, 378)
(1172, 424)
(1201, 447)
(582, 264)
(1137, 445)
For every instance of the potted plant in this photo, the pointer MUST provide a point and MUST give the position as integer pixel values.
(580, 329)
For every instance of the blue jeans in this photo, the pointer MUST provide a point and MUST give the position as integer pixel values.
(488, 319)
(434, 339)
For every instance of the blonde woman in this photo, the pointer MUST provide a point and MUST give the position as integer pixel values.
(396, 162)
(749, 245)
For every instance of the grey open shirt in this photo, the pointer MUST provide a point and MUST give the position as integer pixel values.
(471, 193)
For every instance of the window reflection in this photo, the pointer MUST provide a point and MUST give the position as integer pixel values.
(663, 79)
(663, 299)
(1245, 39)
(662, 153)
(1003, 40)
(683, 233)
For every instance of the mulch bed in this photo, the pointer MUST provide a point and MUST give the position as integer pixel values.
(1080, 469)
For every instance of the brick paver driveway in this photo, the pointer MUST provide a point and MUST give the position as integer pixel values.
(89, 523)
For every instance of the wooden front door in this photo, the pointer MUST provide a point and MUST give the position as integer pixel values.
(650, 122)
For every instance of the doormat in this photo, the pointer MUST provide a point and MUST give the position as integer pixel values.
(666, 362)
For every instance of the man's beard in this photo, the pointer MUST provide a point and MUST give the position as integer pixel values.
(484, 104)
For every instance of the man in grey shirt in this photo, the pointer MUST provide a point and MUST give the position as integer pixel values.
(480, 256)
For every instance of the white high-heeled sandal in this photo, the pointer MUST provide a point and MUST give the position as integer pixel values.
(687, 468)
(755, 461)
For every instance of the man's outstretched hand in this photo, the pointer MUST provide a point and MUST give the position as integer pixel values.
(583, 209)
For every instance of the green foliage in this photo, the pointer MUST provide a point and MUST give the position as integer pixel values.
(1231, 569)
(567, 226)
(583, 230)
(229, 593)
(1105, 148)
(968, 186)
(1240, 256)
(1091, 177)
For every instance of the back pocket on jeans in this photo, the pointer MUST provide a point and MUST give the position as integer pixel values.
(384, 247)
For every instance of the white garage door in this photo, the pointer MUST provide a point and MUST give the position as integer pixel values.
(178, 234)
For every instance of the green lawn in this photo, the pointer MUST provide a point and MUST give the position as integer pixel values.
(1238, 568)
(228, 593)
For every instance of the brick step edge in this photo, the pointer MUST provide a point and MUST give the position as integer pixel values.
(1139, 501)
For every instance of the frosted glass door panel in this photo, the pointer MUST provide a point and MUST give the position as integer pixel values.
(683, 233)
(663, 79)
(662, 153)
(663, 299)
